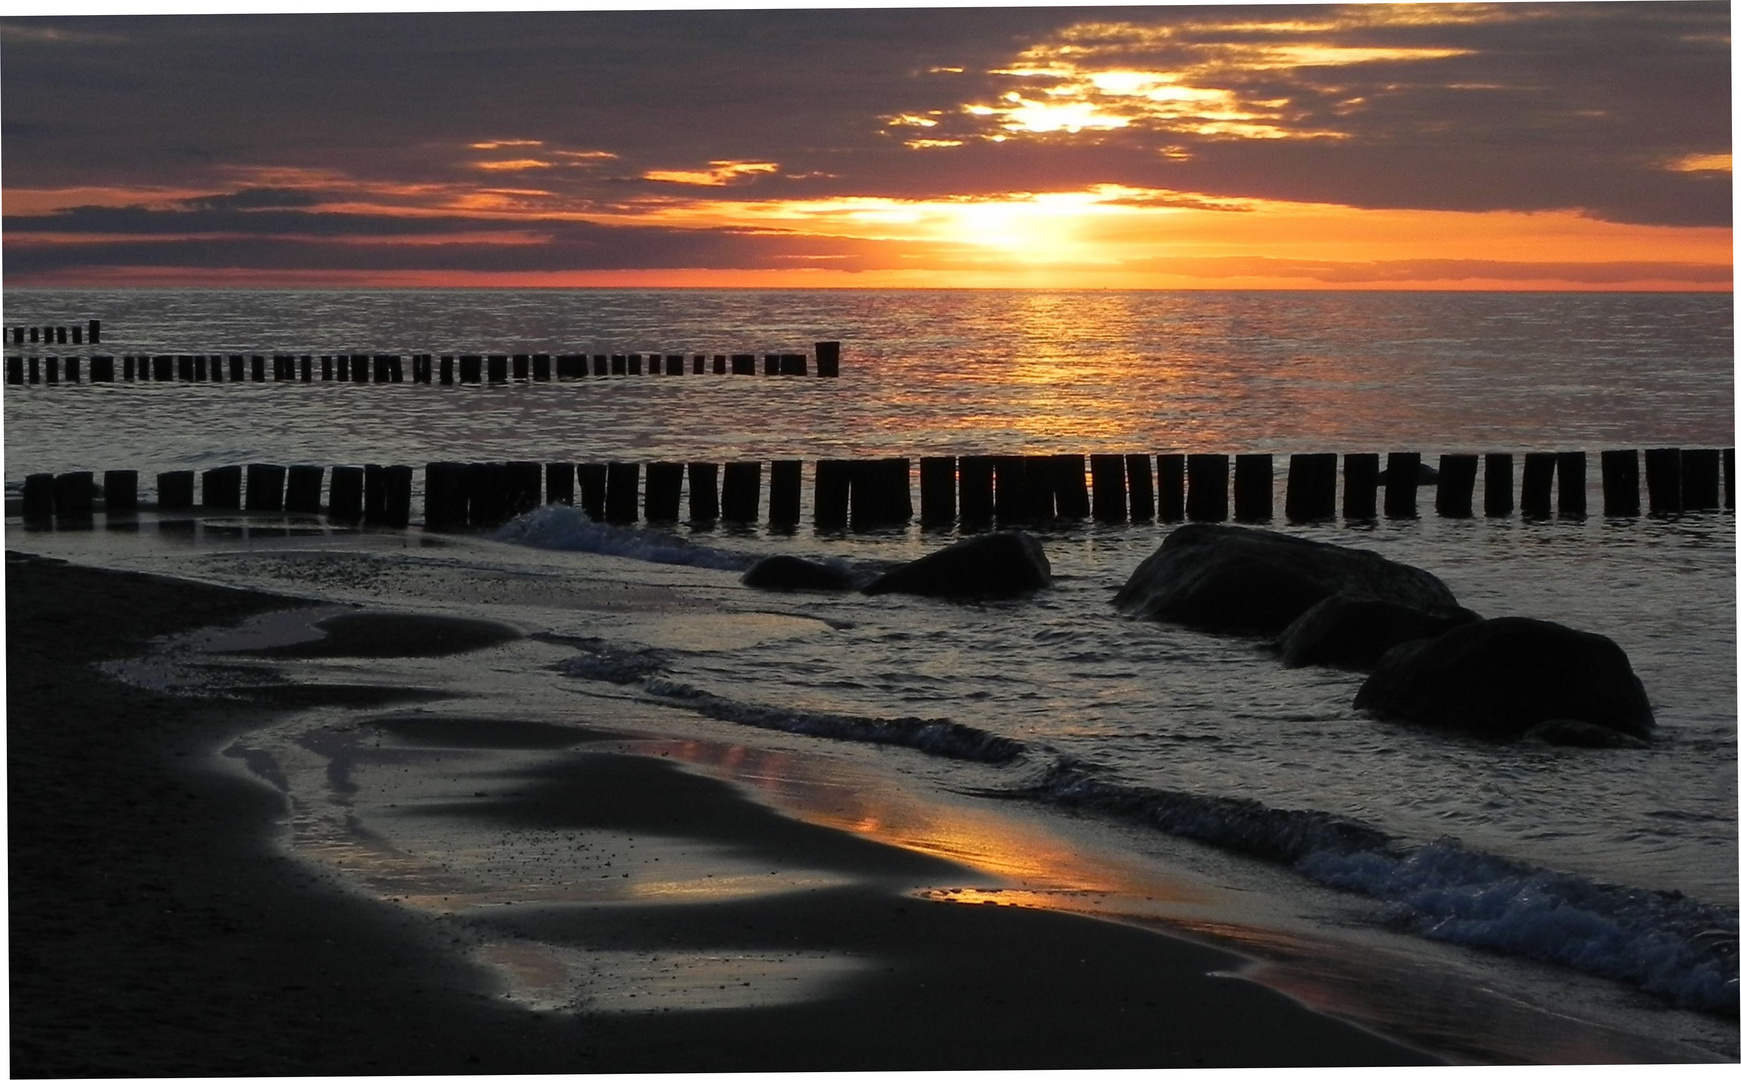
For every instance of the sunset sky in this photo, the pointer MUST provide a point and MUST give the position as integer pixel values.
(1486, 146)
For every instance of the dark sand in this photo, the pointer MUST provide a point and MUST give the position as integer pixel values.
(159, 929)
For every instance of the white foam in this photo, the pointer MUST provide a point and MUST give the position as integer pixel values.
(559, 527)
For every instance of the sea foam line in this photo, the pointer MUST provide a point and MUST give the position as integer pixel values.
(560, 527)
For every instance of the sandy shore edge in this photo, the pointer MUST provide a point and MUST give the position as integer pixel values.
(157, 928)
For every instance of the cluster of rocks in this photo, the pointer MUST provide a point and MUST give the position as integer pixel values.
(1430, 660)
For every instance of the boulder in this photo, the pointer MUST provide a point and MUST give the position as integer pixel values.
(980, 567)
(1504, 678)
(1238, 580)
(1425, 475)
(791, 572)
(1349, 631)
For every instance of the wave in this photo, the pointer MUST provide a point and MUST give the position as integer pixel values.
(1671, 945)
(560, 527)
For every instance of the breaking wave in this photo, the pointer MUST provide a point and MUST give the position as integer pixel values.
(560, 527)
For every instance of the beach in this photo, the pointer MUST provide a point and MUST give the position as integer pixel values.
(159, 927)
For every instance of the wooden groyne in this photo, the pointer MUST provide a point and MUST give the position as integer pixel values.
(972, 491)
(446, 369)
(88, 333)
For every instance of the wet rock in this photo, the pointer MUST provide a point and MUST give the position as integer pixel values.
(1250, 581)
(1504, 678)
(1577, 733)
(791, 572)
(980, 567)
(1425, 476)
(1354, 632)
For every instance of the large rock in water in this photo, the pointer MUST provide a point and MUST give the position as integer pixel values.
(1355, 632)
(993, 565)
(791, 572)
(1248, 581)
(1502, 678)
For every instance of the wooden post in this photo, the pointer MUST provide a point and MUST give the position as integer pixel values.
(1311, 492)
(601, 364)
(60, 335)
(396, 370)
(1456, 494)
(344, 363)
(1253, 487)
(345, 498)
(74, 497)
(1497, 482)
(130, 368)
(570, 366)
(936, 491)
(34, 376)
(489, 502)
(396, 484)
(96, 332)
(72, 369)
(259, 366)
(703, 492)
(1110, 503)
(1139, 476)
(302, 489)
(447, 370)
(1359, 487)
(1699, 487)
(770, 363)
(498, 367)
(175, 490)
(221, 488)
(833, 486)
(522, 366)
(634, 363)
(1536, 499)
(828, 359)
(794, 364)
(742, 498)
(976, 482)
(1012, 501)
(540, 367)
(15, 370)
(621, 480)
(38, 496)
(183, 367)
(77, 334)
(593, 480)
(719, 362)
(1402, 478)
(265, 487)
(471, 369)
(1620, 483)
(162, 368)
(1729, 478)
(664, 496)
(326, 368)
(1170, 487)
(443, 495)
(743, 363)
(785, 491)
(523, 486)
(374, 495)
(1573, 497)
(1206, 487)
(698, 364)
(1058, 487)
(51, 370)
(559, 483)
(1662, 478)
(307, 365)
(121, 493)
(673, 364)
(897, 490)
(619, 363)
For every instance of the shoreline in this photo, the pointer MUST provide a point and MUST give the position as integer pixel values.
(157, 927)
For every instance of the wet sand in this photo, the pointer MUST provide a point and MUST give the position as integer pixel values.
(159, 928)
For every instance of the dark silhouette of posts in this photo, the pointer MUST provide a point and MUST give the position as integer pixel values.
(1170, 487)
(39, 497)
(221, 488)
(1699, 481)
(524, 482)
(1011, 488)
(395, 509)
(1662, 477)
(621, 480)
(120, 492)
(663, 499)
(1055, 486)
(445, 495)
(497, 367)
(302, 489)
(522, 366)
(936, 491)
(1311, 494)
(1456, 494)
(719, 362)
(1359, 487)
(374, 495)
(559, 483)
(1206, 487)
(828, 359)
(1620, 483)
(471, 370)
(1110, 502)
(1497, 485)
(15, 370)
(743, 363)
(447, 371)
(1573, 501)
(703, 492)
(698, 364)
(593, 479)
(1403, 472)
(785, 491)
(741, 497)
(1729, 478)
(897, 484)
(634, 363)
(976, 478)
(833, 494)
(1253, 487)
(541, 367)
(345, 494)
(601, 364)
(265, 488)
(74, 497)
(1140, 479)
(175, 490)
(1536, 495)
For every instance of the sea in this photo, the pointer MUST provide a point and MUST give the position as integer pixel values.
(1528, 902)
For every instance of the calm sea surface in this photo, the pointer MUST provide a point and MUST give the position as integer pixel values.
(1508, 849)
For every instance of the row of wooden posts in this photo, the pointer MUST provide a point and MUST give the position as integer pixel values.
(971, 490)
(390, 368)
(56, 335)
